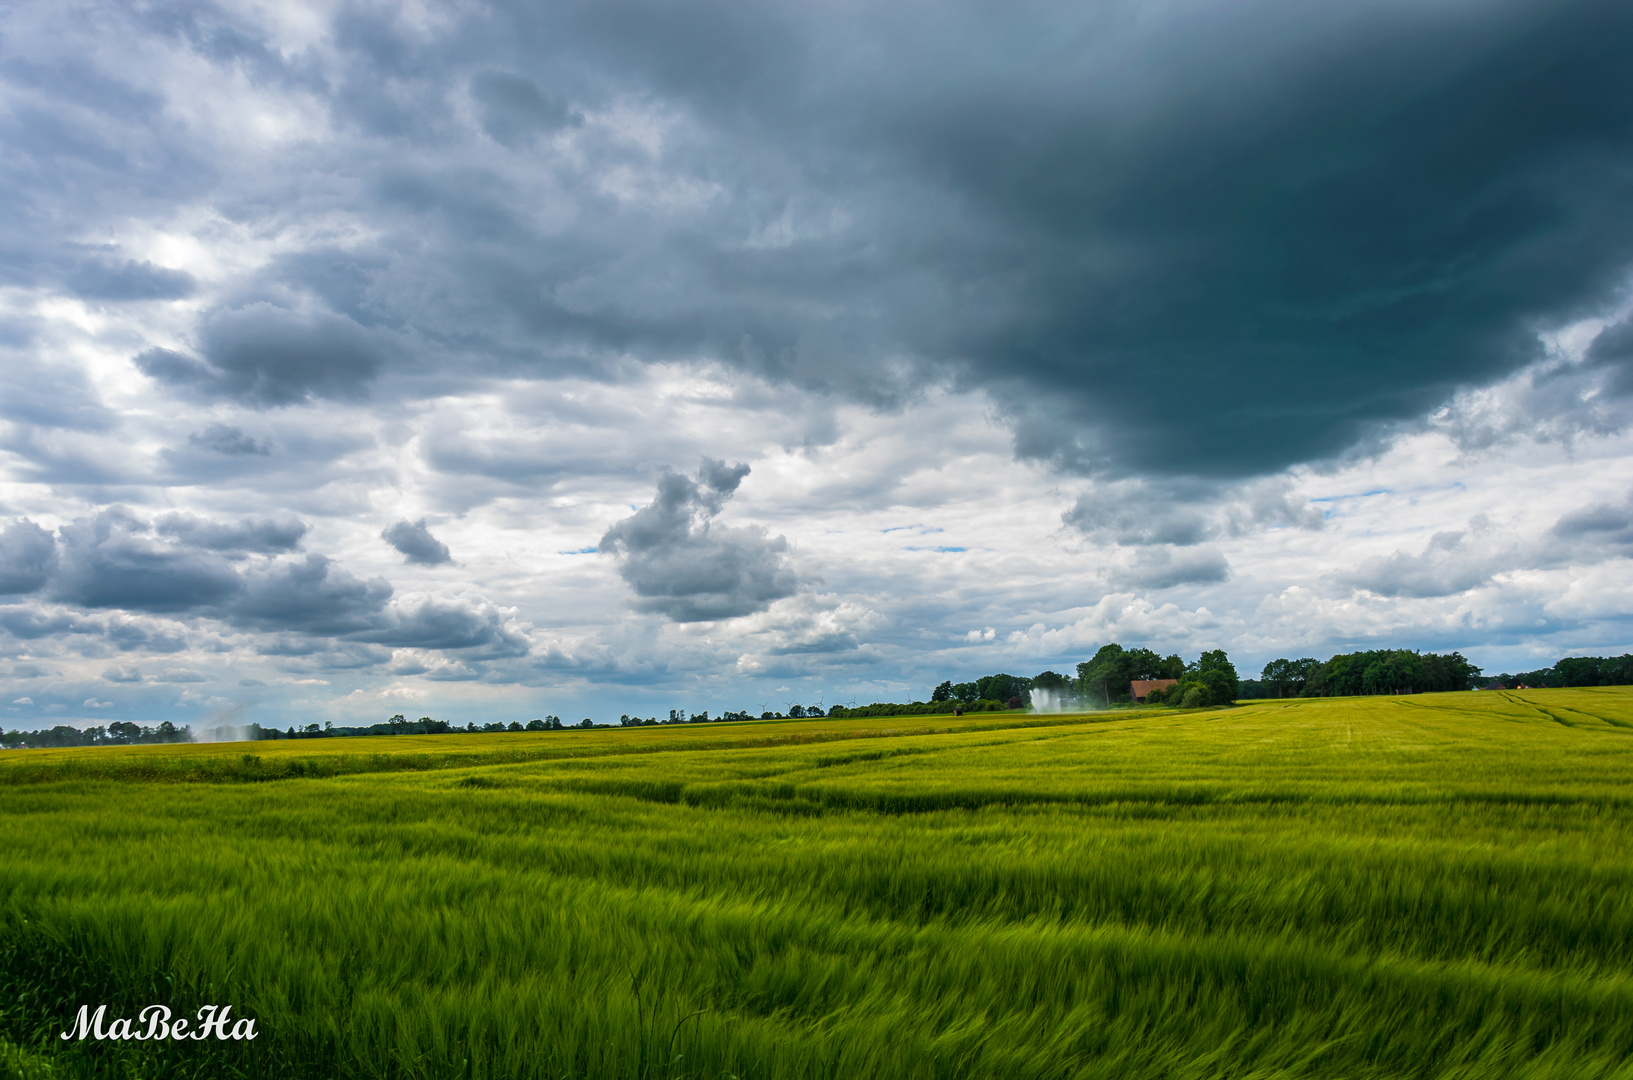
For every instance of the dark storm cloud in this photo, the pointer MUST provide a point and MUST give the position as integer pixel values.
(185, 565)
(1216, 242)
(1612, 352)
(1179, 245)
(682, 564)
(314, 596)
(1604, 527)
(1204, 239)
(30, 624)
(28, 554)
(440, 625)
(260, 536)
(263, 356)
(416, 543)
(112, 560)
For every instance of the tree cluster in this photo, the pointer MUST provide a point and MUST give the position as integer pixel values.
(1002, 687)
(401, 725)
(990, 693)
(1107, 678)
(1575, 671)
(1377, 671)
(918, 708)
(680, 716)
(119, 733)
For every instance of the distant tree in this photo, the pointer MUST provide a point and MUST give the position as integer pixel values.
(1109, 674)
(1002, 687)
(768, 715)
(1277, 677)
(1393, 671)
(515, 725)
(944, 692)
(1450, 671)
(538, 725)
(1050, 680)
(1389, 673)
(1103, 676)
(586, 722)
(1218, 674)
(797, 712)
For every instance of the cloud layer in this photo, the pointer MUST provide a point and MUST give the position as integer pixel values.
(1262, 324)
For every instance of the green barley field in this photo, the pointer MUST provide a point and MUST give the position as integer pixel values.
(1429, 886)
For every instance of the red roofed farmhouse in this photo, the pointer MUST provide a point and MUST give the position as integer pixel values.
(1141, 688)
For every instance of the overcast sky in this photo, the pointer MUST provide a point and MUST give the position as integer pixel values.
(488, 361)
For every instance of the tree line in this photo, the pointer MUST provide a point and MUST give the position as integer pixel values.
(681, 716)
(1574, 671)
(1103, 681)
(401, 725)
(119, 733)
(1375, 671)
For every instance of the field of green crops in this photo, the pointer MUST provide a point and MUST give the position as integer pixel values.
(1430, 886)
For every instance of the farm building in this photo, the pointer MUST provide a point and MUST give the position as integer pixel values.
(1141, 688)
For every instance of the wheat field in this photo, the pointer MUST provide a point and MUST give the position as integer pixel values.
(1428, 886)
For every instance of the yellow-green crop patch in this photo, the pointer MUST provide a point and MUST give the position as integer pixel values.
(1430, 886)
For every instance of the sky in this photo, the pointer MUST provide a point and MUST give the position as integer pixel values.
(492, 361)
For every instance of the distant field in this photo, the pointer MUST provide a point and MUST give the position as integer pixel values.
(1429, 886)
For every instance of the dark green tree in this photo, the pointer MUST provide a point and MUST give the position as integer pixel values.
(1103, 676)
(1050, 680)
